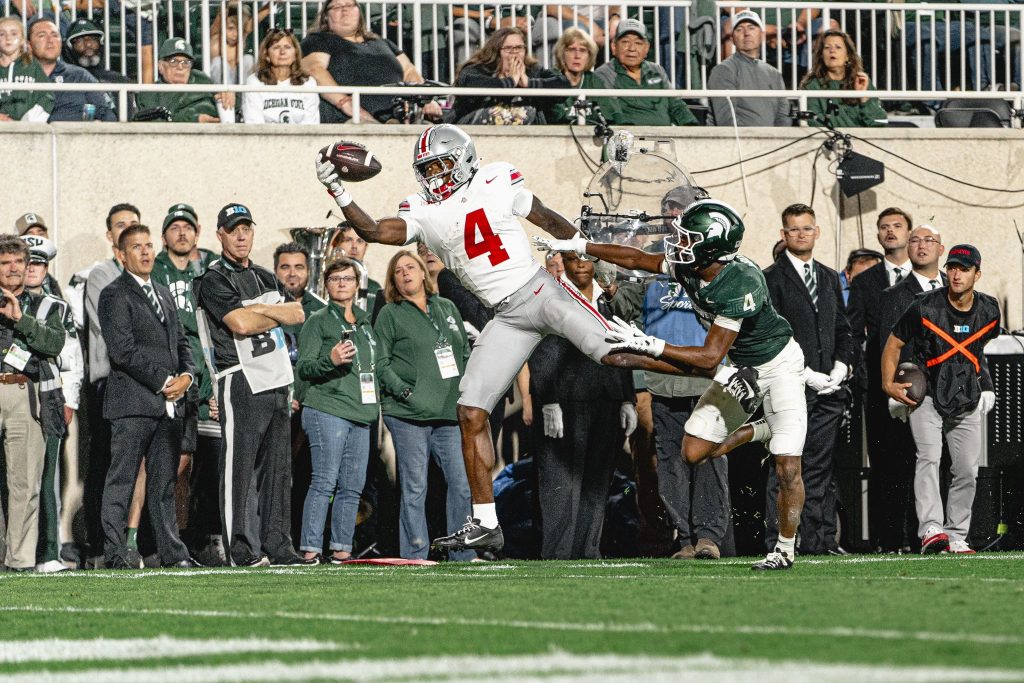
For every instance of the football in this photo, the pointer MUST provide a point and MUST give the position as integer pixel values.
(908, 372)
(352, 161)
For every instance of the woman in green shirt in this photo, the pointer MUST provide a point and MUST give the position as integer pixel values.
(575, 57)
(837, 66)
(423, 353)
(337, 357)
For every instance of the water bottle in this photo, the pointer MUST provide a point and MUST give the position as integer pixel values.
(88, 112)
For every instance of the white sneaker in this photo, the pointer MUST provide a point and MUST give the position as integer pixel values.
(960, 547)
(934, 541)
(51, 567)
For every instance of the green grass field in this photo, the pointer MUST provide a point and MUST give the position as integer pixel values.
(850, 619)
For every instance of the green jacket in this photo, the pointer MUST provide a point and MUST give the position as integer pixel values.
(868, 114)
(185, 107)
(408, 338)
(180, 282)
(36, 104)
(610, 109)
(335, 389)
(310, 305)
(645, 111)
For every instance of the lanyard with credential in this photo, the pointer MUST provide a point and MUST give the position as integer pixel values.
(446, 364)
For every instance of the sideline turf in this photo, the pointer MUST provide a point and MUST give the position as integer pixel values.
(911, 611)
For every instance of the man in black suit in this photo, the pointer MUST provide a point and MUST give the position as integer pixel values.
(890, 446)
(151, 370)
(925, 250)
(808, 295)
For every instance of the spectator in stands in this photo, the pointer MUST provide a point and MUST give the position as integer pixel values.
(337, 356)
(596, 21)
(280, 65)
(629, 69)
(84, 47)
(176, 61)
(94, 10)
(890, 446)
(471, 25)
(857, 262)
(782, 26)
(553, 263)
(503, 63)
(837, 66)
(587, 412)
(575, 56)
(423, 351)
(45, 41)
(33, 332)
(16, 64)
(342, 51)
(224, 68)
(72, 371)
(745, 70)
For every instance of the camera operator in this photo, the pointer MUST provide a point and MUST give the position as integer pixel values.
(947, 330)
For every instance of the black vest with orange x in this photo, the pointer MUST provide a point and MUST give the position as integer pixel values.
(949, 345)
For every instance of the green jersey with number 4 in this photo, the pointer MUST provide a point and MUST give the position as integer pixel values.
(739, 292)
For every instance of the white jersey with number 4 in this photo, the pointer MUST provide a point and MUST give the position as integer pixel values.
(476, 231)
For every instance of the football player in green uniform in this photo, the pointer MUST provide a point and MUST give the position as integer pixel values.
(730, 296)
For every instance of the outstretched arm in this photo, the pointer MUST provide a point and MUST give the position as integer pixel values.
(385, 231)
(659, 356)
(617, 254)
(550, 221)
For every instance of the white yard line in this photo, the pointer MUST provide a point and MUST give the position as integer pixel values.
(556, 666)
(588, 627)
(60, 649)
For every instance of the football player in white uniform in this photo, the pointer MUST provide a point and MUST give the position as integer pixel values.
(469, 216)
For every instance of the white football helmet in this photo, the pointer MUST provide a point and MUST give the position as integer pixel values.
(450, 145)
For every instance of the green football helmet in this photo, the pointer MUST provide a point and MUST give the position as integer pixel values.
(708, 231)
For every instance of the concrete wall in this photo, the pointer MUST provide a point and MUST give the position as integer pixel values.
(72, 173)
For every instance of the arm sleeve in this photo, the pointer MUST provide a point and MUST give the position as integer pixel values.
(387, 333)
(720, 79)
(473, 77)
(311, 364)
(217, 297)
(44, 338)
(871, 113)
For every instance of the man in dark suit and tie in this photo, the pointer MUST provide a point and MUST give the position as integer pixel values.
(890, 447)
(808, 295)
(151, 370)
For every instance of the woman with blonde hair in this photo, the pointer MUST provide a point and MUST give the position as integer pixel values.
(575, 56)
(224, 67)
(837, 66)
(423, 353)
(280, 65)
(16, 64)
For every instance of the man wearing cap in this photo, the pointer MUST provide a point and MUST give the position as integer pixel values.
(84, 47)
(33, 224)
(947, 329)
(745, 70)
(45, 41)
(175, 67)
(31, 336)
(245, 307)
(72, 371)
(629, 69)
(857, 262)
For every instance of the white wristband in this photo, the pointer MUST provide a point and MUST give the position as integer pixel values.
(343, 199)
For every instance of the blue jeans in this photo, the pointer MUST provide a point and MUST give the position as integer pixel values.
(339, 450)
(972, 37)
(415, 442)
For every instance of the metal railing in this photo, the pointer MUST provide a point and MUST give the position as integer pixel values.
(906, 46)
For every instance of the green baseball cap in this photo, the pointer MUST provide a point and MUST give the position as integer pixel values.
(176, 46)
(187, 208)
(179, 216)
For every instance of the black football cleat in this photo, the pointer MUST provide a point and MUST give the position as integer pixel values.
(742, 386)
(472, 536)
(775, 560)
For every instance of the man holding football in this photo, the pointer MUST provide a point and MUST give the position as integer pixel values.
(730, 296)
(468, 216)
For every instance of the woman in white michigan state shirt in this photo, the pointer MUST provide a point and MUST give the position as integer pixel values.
(280, 66)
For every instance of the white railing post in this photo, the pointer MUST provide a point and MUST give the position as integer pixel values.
(417, 36)
(204, 19)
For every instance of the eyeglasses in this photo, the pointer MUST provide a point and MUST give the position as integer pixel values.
(923, 240)
(338, 279)
(275, 32)
(342, 7)
(183, 63)
(807, 230)
(513, 49)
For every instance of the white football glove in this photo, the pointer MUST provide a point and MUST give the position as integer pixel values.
(628, 416)
(899, 411)
(328, 175)
(628, 337)
(987, 402)
(552, 420)
(818, 381)
(577, 243)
